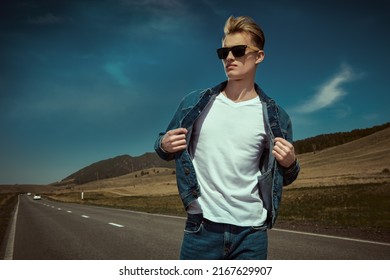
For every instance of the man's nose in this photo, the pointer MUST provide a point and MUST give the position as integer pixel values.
(230, 56)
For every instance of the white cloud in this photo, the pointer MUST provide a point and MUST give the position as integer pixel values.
(116, 71)
(330, 92)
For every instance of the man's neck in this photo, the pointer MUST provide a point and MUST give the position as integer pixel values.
(240, 90)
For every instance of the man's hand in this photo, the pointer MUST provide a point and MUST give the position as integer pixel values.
(284, 152)
(174, 140)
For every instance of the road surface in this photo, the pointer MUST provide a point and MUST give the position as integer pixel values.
(48, 230)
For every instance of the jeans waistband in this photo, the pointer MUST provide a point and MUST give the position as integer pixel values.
(218, 227)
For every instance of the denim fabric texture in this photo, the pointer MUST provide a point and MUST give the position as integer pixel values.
(206, 240)
(274, 176)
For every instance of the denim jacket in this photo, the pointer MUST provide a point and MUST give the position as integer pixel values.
(274, 176)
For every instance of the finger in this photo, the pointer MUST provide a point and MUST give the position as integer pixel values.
(179, 142)
(176, 138)
(179, 148)
(283, 161)
(277, 156)
(278, 139)
(284, 151)
(281, 156)
(175, 135)
(281, 149)
(177, 131)
(282, 141)
(285, 146)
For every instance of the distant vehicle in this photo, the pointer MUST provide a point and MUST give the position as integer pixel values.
(37, 197)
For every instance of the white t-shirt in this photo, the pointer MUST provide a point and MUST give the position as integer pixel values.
(226, 146)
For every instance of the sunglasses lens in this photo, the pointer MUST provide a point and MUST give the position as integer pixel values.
(237, 51)
(223, 53)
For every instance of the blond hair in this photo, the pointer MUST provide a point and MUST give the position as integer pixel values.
(246, 25)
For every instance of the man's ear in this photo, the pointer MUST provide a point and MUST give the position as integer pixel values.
(260, 57)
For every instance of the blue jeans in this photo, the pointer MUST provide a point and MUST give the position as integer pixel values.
(206, 240)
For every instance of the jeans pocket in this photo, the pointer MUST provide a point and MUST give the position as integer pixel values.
(259, 228)
(193, 224)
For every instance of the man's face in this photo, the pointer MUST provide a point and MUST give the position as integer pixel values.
(238, 68)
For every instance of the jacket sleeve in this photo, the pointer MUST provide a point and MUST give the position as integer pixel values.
(175, 123)
(291, 173)
(160, 152)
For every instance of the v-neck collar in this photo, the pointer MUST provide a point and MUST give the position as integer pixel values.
(231, 103)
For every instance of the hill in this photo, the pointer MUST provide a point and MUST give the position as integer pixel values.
(114, 167)
(323, 141)
(366, 160)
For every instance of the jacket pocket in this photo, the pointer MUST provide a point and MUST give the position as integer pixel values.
(265, 190)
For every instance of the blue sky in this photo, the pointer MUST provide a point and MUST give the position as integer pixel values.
(82, 81)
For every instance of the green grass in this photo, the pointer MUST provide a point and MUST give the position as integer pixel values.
(360, 206)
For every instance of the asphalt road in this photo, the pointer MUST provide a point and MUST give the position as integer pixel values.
(47, 230)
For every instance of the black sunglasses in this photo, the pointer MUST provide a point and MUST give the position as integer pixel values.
(237, 51)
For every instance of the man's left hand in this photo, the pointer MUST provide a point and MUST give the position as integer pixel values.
(284, 152)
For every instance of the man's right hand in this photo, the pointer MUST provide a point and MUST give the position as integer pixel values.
(174, 140)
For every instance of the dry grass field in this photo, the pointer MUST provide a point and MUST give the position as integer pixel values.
(363, 161)
(150, 182)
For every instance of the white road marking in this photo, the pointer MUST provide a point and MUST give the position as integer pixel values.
(116, 225)
(69, 211)
(84, 216)
(59, 209)
(333, 237)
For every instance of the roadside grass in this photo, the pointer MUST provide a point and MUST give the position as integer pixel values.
(351, 207)
(7, 205)
(358, 206)
(168, 205)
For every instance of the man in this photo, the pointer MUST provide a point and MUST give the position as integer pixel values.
(233, 152)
